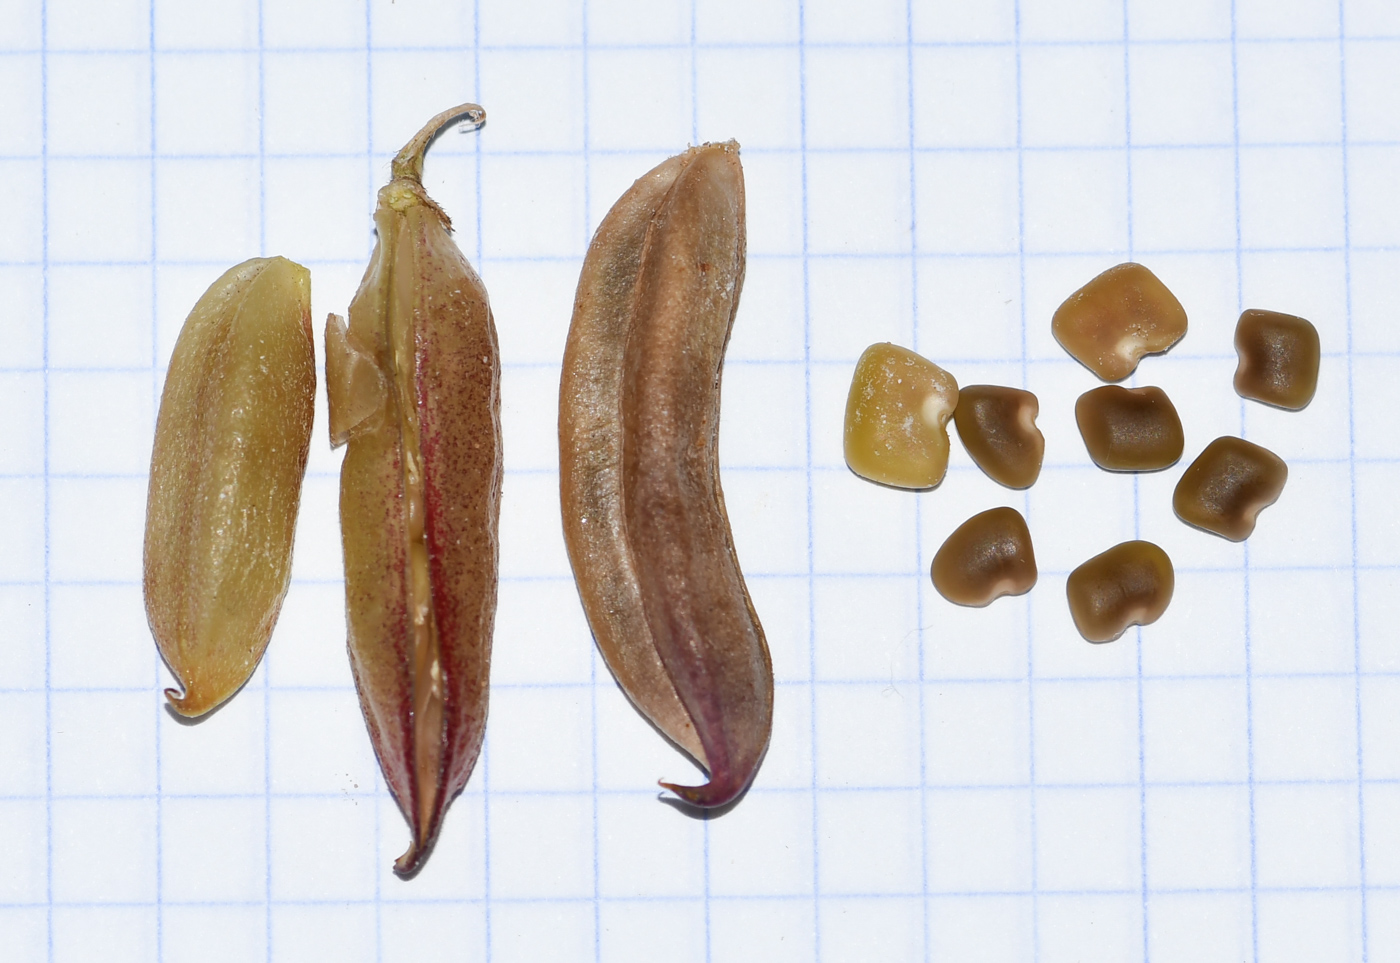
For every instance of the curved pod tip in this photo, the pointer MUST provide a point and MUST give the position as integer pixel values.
(644, 520)
(227, 463)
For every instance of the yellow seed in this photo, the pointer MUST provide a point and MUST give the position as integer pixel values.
(230, 452)
(897, 418)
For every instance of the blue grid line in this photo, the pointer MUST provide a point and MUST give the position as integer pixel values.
(810, 514)
(918, 503)
(593, 660)
(48, 500)
(484, 763)
(1143, 881)
(706, 816)
(577, 258)
(883, 680)
(158, 707)
(892, 45)
(1351, 471)
(649, 152)
(268, 864)
(910, 788)
(378, 789)
(727, 897)
(1248, 635)
(1030, 622)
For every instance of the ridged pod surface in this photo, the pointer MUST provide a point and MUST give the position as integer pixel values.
(414, 389)
(644, 516)
(230, 453)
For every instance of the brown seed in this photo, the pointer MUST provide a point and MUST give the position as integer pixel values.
(1115, 319)
(1228, 485)
(1279, 358)
(1129, 429)
(997, 427)
(644, 517)
(230, 452)
(986, 557)
(413, 385)
(1130, 584)
(897, 418)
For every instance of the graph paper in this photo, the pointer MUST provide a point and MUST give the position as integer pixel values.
(943, 783)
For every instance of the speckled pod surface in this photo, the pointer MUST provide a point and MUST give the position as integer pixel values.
(414, 389)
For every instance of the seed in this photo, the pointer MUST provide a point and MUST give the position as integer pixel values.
(230, 452)
(1279, 358)
(1129, 429)
(897, 416)
(414, 388)
(986, 557)
(1115, 319)
(644, 518)
(1130, 584)
(997, 427)
(1228, 485)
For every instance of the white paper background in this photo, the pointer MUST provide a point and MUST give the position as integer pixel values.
(943, 783)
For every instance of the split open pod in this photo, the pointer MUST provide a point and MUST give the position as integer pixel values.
(414, 391)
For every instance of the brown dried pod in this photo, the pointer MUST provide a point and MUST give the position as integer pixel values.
(230, 453)
(1130, 584)
(414, 388)
(1115, 319)
(1228, 485)
(986, 557)
(997, 427)
(1279, 358)
(644, 517)
(1130, 429)
(897, 413)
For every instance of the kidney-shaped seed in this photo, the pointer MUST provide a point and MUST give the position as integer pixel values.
(1130, 584)
(986, 557)
(1115, 319)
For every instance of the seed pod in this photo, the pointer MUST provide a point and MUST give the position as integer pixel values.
(230, 453)
(414, 388)
(644, 517)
